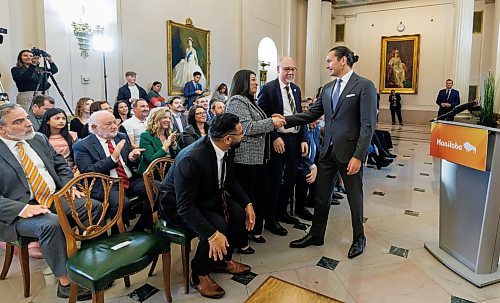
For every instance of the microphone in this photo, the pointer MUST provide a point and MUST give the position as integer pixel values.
(462, 107)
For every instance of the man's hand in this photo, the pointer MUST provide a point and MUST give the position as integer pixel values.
(118, 150)
(278, 120)
(304, 148)
(75, 193)
(135, 153)
(218, 247)
(34, 210)
(279, 145)
(311, 177)
(198, 92)
(250, 217)
(49, 59)
(444, 104)
(353, 167)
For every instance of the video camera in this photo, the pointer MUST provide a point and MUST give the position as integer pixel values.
(3, 31)
(39, 52)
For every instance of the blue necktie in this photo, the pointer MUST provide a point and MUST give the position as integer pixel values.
(336, 95)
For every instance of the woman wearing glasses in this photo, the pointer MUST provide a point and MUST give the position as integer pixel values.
(197, 126)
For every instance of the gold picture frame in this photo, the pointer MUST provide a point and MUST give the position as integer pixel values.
(188, 50)
(399, 58)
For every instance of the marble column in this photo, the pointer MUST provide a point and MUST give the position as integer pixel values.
(289, 28)
(313, 48)
(464, 13)
(326, 38)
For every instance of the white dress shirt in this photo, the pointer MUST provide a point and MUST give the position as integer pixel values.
(113, 172)
(219, 153)
(135, 127)
(178, 120)
(345, 79)
(287, 110)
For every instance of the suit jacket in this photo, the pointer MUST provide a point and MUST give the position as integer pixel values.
(396, 103)
(183, 121)
(351, 126)
(191, 186)
(453, 99)
(90, 157)
(153, 150)
(124, 93)
(14, 186)
(34, 120)
(271, 101)
(189, 91)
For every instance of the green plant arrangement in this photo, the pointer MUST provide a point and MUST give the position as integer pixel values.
(487, 116)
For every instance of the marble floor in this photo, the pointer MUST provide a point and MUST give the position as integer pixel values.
(395, 266)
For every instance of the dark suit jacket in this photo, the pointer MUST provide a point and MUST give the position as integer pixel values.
(183, 121)
(124, 93)
(90, 157)
(453, 99)
(271, 102)
(191, 186)
(189, 91)
(352, 125)
(396, 103)
(153, 150)
(14, 186)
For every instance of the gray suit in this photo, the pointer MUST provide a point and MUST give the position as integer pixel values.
(348, 133)
(34, 120)
(15, 194)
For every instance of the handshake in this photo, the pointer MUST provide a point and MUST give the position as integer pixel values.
(278, 120)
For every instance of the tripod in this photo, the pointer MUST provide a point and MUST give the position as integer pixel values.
(4, 97)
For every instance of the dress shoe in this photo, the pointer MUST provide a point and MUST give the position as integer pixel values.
(286, 218)
(341, 189)
(337, 196)
(233, 267)
(257, 239)
(334, 202)
(275, 228)
(389, 155)
(83, 294)
(304, 214)
(207, 287)
(306, 241)
(246, 251)
(357, 247)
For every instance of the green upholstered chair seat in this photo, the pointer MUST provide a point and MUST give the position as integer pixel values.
(23, 241)
(176, 235)
(95, 265)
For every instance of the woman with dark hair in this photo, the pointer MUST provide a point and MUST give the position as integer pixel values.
(55, 127)
(82, 114)
(95, 107)
(154, 99)
(221, 93)
(197, 126)
(121, 111)
(251, 157)
(28, 75)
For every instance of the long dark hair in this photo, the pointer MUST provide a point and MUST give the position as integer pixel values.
(115, 109)
(45, 127)
(192, 121)
(20, 56)
(241, 83)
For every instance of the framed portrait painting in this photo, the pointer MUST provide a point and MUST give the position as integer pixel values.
(399, 64)
(188, 50)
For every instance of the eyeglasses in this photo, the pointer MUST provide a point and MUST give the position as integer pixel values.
(289, 69)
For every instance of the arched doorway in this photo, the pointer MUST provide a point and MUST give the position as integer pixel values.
(267, 52)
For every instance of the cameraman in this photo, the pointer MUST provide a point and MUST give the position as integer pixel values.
(28, 75)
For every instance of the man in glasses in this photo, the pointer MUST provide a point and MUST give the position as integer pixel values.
(282, 96)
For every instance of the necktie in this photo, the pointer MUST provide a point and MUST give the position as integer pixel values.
(222, 188)
(120, 171)
(290, 99)
(198, 86)
(40, 188)
(447, 94)
(336, 95)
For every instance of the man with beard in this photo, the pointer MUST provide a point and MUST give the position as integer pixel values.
(136, 124)
(108, 152)
(179, 119)
(202, 195)
(31, 172)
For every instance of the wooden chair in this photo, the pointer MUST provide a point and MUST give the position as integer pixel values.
(101, 260)
(157, 170)
(22, 243)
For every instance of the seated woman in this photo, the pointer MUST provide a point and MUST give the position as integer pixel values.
(154, 99)
(197, 126)
(55, 127)
(121, 110)
(95, 107)
(158, 140)
(221, 93)
(82, 114)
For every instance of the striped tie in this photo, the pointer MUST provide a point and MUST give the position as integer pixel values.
(39, 187)
(290, 100)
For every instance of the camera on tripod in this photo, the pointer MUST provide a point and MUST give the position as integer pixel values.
(39, 52)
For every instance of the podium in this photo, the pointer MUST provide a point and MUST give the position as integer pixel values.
(469, 200)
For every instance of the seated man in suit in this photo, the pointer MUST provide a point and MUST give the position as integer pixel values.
(40, 105)
(109, 152)
(31, 172)
(193, 89)
(202, 195)
(179, 119)
(447, 99)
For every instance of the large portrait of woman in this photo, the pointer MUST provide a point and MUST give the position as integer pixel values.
(188, 51)
(399, 64)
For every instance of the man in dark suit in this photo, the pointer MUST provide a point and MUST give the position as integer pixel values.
(109, 152)
(395, 107)
(39, 106)
(179, 119)
(349, 104)
(28, 161)
(282, 96)
(202, 195)
(131, 91)
(447, 99)
(193, 89)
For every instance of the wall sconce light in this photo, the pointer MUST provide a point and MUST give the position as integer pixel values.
(263, 73)
(83, 33)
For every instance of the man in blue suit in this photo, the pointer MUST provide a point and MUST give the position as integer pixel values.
(193, 89)
(447, 99)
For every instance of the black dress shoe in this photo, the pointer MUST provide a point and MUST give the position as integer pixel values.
(334, 202)
(275, 228)
(304, 214)
(247, 251)
(337, 196)
(83, 294)
(286, 218)
(357, 247)
(341, 189)
(306, 241)
(259, 239)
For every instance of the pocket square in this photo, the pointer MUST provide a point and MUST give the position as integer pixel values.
(350, 95)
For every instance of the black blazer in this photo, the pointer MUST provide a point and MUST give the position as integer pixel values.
(124, 93)
(271, 102)
(191, 186)
(396, 103)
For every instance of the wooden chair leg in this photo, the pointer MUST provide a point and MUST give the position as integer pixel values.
(153, 266)
(166, 259)
(185, 249)
(25, 270)
(98, 297)
(9, 254)
(126, 279)
(73, 292)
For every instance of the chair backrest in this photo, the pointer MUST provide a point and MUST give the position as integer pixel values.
(157, 170)
(92, 227)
